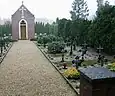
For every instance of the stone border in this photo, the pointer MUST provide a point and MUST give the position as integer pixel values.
(2, 58)
(58, 70)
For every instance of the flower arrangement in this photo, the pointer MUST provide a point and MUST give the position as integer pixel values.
(72, 73)
(111, 67)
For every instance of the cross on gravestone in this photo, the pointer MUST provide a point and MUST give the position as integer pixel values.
(85, 45)
(22, 11)
(99, 49)
(100, 57)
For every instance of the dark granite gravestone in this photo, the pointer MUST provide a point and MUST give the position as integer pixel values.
(97, 81)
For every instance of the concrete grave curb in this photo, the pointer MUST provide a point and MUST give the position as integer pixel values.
(6, 53)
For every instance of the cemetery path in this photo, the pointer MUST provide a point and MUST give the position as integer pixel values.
(26, 72)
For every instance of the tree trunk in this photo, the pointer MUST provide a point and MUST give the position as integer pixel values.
(71, 51)
(62, 57)
(44, 45)
(74, 47)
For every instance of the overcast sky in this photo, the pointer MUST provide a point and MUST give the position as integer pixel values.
(44, 8)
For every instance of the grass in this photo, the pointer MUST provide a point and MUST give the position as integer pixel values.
(69, 63)
(85, 63)
(89, 62)
(56, 55)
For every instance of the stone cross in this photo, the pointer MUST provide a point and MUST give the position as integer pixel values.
(22, 2)
(22, 10)
(99, 49)
(85, 45)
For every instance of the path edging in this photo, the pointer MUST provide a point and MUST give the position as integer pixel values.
(57, 69)
(6, 53)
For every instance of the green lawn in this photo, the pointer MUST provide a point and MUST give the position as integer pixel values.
(89, 62)
(85, 63)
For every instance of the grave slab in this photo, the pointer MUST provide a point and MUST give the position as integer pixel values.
(97, 81)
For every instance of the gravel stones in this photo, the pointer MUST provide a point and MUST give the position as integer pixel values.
(26, 72)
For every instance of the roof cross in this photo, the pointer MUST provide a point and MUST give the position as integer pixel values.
(22, 10)
(22, 2)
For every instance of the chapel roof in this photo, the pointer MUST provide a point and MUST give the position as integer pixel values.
(24, 7)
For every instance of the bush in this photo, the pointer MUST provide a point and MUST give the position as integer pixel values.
(39, 40)
(72, 73)
(52, 38)
(56, 47)
(43, 40)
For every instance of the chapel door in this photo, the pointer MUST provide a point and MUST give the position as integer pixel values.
(23, 30)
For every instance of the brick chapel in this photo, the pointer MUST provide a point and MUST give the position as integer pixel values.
(23, 24)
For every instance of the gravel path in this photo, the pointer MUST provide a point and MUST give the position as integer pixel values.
(26, 72)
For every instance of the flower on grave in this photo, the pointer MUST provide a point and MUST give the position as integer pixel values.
(72, 73)
(111, 67)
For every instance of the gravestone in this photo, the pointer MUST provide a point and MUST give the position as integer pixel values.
(97, 81)
(23, 24)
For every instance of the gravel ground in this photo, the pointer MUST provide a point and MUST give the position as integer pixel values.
(26, 72)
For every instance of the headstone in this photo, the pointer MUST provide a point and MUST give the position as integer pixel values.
(97, 81)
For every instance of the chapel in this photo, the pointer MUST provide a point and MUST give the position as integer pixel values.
(23, 24)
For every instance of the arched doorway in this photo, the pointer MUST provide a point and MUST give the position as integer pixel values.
(23, 34)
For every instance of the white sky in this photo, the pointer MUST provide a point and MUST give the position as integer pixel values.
(44, 8)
